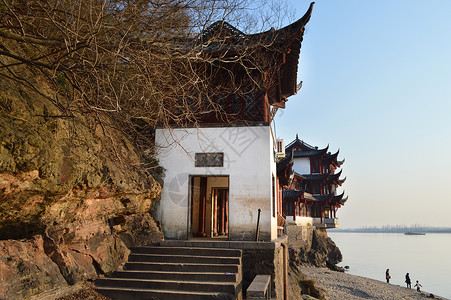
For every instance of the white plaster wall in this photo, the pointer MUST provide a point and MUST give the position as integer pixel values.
(196, 192)
(273, 203)
(300, 221)
(301, 165)
(248, 161)
(305, 221)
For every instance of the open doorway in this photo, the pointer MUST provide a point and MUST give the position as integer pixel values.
(210, 206)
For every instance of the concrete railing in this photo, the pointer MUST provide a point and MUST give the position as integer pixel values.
(260, 288)
(331, 222)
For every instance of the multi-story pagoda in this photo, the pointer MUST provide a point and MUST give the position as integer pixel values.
(310, 196)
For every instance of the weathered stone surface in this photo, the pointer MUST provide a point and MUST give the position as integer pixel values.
(266, 259)
(137, 230)
(302, 287)
(311, 246)
(64, 184)
(26, 269)
(324, 252)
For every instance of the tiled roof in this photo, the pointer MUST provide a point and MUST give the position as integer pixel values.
(309, 196)
(285, 172)
(338, 199)
(308, 153)
(343, 200)
(331, 156)
(296, 195)
(292, 193)
(341, 181)
(322, 198)
(335, 176)
(300, 142)
(317, 176)
(283, 164)
(221, 37)
(299, 175)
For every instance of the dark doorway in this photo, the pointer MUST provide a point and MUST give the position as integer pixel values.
(209, 206)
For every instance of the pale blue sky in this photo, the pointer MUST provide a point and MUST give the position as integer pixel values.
(377, 85)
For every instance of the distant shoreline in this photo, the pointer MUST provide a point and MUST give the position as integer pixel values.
(394, 230)
(343, 286)
(369, 254)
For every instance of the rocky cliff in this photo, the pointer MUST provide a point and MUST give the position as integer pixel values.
(74, 194)
(311, 246)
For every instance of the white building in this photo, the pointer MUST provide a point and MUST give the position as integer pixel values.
(220, 174)
(222, 199)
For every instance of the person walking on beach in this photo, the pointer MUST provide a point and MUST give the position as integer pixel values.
(418, 285)
(408, 282)
(387, 275)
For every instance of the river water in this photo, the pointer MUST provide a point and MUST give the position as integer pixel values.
(426, 258)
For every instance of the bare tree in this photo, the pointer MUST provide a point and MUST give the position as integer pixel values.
(142, 62)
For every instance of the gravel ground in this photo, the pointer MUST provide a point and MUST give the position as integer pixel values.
(351, 287)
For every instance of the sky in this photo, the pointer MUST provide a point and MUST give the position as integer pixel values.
(377, 86)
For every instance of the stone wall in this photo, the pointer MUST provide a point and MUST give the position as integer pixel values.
(270, 258)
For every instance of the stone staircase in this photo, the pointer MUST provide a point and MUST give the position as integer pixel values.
(156, 272)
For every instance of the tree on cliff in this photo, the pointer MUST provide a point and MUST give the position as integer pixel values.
(143, 62)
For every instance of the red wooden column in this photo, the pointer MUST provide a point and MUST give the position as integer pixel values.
(226, 212)
(222, 213)
(202, 204)
(294, 210)
(215, 212)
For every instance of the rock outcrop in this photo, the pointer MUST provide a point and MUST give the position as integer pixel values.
(74, 194)
(311, 246)
(302, 287)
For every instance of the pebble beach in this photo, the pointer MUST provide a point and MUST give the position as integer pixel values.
(343, 286)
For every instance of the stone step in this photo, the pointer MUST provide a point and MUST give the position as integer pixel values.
(215, 252)
(161, 275)
(197, 286)
(158, 294)
(181, 267)
(172, 258)
(156, 272)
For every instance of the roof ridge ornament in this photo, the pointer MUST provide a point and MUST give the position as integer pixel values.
(299, 86)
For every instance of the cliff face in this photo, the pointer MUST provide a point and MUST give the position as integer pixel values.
(73, 193)
(311, 246)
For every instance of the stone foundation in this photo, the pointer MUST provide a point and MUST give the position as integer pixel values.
(259, 258)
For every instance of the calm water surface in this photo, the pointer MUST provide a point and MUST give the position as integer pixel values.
(426, 257)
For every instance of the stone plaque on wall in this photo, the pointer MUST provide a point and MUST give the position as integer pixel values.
(215, 159)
